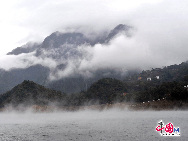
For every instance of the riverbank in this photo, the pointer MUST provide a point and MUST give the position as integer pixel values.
(149, 105)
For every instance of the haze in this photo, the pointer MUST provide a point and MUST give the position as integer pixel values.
(86, 125)
(159, 37)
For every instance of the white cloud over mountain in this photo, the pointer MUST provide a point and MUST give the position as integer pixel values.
(159, 37)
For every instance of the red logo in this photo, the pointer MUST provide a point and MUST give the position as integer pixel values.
(169, 129)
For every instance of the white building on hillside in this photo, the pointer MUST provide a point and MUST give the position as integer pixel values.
(157, 77)
(149, 79)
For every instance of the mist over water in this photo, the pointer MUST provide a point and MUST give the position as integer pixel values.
(159, 38)
(85, 125)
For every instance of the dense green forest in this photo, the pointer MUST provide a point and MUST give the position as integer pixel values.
(169, 83)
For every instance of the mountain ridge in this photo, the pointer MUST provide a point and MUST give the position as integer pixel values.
(29, 93)
(61, 38)
(172, 91)
(63, 49)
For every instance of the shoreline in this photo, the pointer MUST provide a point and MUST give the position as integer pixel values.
(150, 105)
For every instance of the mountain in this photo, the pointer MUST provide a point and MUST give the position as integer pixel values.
(169, 83)
(29, 93)
(27, 48)
(170, 87)
(167, 74)
(106, 90)
(119, 29)
(8, 79)
(65, 49)
(57, 39)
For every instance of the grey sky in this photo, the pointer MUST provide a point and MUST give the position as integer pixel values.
(32, 20)
(160, 30)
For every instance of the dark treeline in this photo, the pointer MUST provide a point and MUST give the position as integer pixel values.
(171, 85)
(111, 91)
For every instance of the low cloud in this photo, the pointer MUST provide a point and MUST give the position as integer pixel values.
(121, 54)
(24, 60)
(159, 38)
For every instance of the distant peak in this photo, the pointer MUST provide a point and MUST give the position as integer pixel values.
(57, 39)
(27, 82)
(121, 28)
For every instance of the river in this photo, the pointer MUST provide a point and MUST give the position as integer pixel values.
(106, 125)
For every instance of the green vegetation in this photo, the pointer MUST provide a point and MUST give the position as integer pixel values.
(107, 90)
(29, 93)
(135, 88)
(169, 85)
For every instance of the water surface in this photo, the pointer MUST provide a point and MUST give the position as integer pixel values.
(109, 125)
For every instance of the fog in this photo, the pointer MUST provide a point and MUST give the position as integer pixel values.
(158, 38)
(113, 124)
(24, 61)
